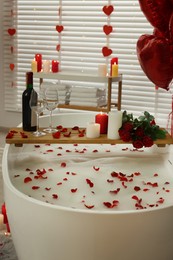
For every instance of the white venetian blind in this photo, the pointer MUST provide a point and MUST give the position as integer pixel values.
(81, 43)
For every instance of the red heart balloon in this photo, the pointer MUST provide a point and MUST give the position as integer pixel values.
(11, 31)
(158, 13)
(156, 59)
(108, 9)
(107, 29)
(106, 51)
(59, 28)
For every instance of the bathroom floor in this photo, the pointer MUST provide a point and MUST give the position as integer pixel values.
(7, 251)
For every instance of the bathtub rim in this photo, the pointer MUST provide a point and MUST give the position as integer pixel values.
(8, 183)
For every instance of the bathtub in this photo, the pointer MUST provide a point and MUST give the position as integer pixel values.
(42, 231)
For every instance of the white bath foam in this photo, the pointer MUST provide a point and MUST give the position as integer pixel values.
(93, 177)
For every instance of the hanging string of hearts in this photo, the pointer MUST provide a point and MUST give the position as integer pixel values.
(107, 29)
(59, 28)
(12, 32)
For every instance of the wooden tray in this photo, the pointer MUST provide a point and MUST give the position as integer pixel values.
(21, 137)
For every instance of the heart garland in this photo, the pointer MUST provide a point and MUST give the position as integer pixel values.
(107, 29)
(59, 28)
(108, 9)
(11, 31)
(106, 51)
(12, 66)
(58, 47)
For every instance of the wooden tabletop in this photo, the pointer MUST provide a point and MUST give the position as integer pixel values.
(68, 136)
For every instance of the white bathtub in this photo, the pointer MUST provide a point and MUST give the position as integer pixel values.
(44, 231)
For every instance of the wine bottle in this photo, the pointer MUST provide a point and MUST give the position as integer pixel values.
(28, 116)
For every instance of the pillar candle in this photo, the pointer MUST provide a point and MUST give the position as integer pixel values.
(38, 58)
(114, 123)
(55, 66)
(114, 70)
(102, 119)
(46, 66)
(93, 130)
(34, 65)
(113, 61)
(102, 70)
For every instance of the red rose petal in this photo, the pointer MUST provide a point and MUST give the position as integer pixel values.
(115, 203)
(96, 168)
(59, 183)
(73, 190)
(136, 188)
(75, 128)
(47, 189)
(63, 164)
(89, 206)
(35, 187)
(115, 191)
(91, 184)
(56, 135)
(59, 127)
(67, 134)
(54, 196)
(27, 179)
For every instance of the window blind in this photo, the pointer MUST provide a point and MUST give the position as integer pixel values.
(80, 44)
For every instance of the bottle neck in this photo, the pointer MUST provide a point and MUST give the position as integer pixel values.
(29, 80)
(29, 86)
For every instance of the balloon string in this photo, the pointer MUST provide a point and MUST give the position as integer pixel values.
(170, 118)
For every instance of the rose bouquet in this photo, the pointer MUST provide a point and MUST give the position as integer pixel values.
(141, 131)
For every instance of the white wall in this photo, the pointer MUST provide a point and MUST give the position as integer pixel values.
(7, 119)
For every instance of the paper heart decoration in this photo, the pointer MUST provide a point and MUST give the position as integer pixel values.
(106, 51)
(11, 31)
(158, 13)
(108, 9)
(12, 66)
(59, 28)
(58, 47)
(156, 59)
(12, 49)
(107, 29)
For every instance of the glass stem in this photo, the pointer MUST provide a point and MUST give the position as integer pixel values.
(50, 120)
(37, 122)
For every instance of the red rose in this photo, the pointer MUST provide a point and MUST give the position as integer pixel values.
(139, 132)
(124, 135)
(147, 141)
(128, 126)
(138, 144)
(152, 122)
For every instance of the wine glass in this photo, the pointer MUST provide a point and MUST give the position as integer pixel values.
(50, 100)
(37, 107)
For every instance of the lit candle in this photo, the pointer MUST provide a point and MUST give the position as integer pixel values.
(46, 66)
(114, 70)
(102, 119)
(55, 66)
(34, 65)
(113, 61)
(93, 130)
(114, 123)
(38, 58)
(102, 70)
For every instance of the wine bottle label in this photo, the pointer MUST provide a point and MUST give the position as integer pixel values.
(33, 118)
